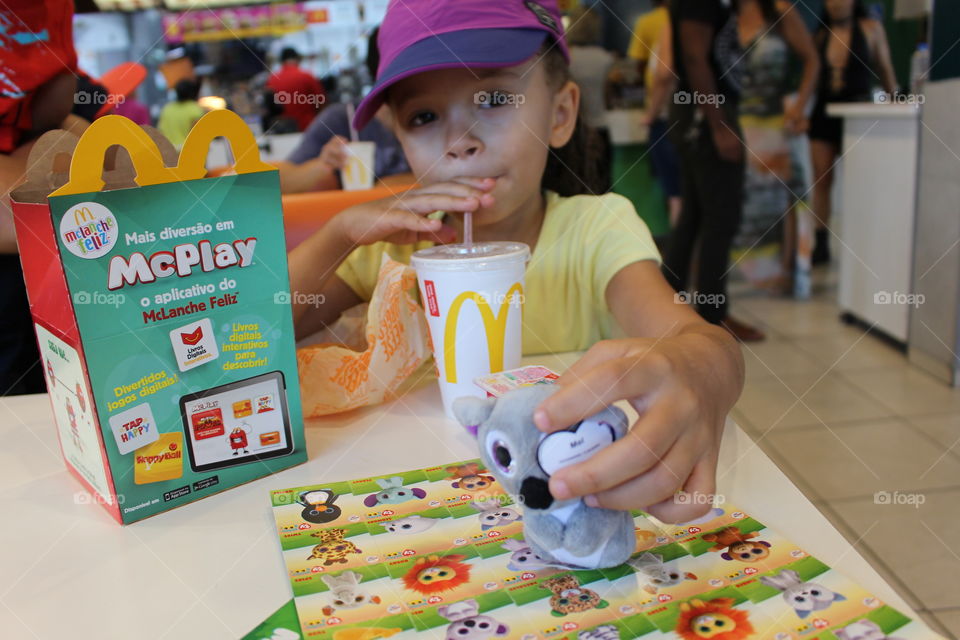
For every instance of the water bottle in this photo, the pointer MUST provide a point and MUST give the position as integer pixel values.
(919, 66)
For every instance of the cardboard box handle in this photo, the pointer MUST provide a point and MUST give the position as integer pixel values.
(86, 166)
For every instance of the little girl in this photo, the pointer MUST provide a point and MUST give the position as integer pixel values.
(487, 116)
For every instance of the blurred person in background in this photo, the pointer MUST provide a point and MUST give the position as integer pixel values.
(298, 92)
(37, 93)
(590, 65)
(773, 107)
(853, 55)
(315, 164)
(179, 116)
(705, 129)
(653, 53)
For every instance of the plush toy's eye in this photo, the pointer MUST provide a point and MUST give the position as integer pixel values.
(358, 599)
(718, 623)
(757, 551)
(401, 493)
(704, 629)
(405, 526)
(339, 603)
(584, 597)
(815, 592)
(469, 623)
(563, 602)
(502, 455)
(483, 625)
(799, 599)
(674, 576)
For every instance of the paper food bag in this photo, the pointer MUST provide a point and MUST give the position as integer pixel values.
(336, 377)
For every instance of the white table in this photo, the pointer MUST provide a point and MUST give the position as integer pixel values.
(213, 569)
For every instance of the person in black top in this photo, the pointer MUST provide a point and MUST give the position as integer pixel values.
(706, 132)
(854, 57)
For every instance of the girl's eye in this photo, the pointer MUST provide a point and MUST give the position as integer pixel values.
(422, 118)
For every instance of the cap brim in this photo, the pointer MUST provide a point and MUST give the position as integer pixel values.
(466, 48)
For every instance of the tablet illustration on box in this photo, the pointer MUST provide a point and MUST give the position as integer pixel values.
(222, 430)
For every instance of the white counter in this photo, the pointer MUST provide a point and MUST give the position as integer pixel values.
(213, 568)
(878, 169)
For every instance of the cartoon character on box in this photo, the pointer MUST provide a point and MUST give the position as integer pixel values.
(739, 546)
(563, 532)
(714, 619)
(467, 623)
(238, 438)
(804, 597)
(72, 417)
(569, 597)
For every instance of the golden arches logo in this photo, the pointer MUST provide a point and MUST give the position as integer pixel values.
(81, 215)
(494, 327)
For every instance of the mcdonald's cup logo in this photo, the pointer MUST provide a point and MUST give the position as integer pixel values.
(494, 327)
(88, 230)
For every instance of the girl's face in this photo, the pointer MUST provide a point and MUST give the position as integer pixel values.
(484, 123)
(839, 10)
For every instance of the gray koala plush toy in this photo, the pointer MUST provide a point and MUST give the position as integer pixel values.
(565, 533)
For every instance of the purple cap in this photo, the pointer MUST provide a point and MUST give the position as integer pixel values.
(424, 35)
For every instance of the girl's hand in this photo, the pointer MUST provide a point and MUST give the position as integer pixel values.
(402, 219)
(673, 445)
(334, 153)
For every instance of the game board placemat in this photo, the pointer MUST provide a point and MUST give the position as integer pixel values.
(439, 552)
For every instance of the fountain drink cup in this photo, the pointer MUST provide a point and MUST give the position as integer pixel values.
(358, 172)
(473, 299)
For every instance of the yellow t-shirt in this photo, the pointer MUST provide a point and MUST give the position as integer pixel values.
(583, 243)
(646, 39)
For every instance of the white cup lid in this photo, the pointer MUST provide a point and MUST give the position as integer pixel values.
(478, 257)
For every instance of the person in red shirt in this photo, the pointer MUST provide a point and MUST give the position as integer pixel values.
(299, 93)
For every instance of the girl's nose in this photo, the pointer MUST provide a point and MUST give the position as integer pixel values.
(463, 147)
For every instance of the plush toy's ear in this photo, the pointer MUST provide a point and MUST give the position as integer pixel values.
(838, 597)
(370, 500)
(726, 556)
(764, 543)
(471, 412)
(456, 485)
(420, 493)
(802, 614)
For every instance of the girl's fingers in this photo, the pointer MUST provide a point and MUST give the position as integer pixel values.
(641, 449)
(698, 495)
(594, 389)
(657, 485)
(427, 203)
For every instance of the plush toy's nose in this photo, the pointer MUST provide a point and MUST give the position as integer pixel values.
(535, 493)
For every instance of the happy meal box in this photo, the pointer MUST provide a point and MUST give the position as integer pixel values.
(161, 305)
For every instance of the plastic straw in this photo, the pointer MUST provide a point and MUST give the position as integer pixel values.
(468, 230)
(353, 132)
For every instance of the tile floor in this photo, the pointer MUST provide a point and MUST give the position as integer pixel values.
(851, 421)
